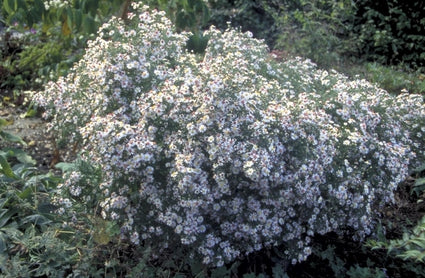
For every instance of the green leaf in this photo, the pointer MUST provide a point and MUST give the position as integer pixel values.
(70, 18)
(31, 112)
(5, 215)
(46, 208)
(279, 272)
(26, 193)
(20, 4)
(6, 169)
(220, 272)
(420, 182)
(2, 242)
(38, 6)
(197, 269)
(11, 138)
(89, 25)
(66, 167)
(3, 122)
(3, 201)
(420, 168)
(36, 219)
(419, 241)
(78, 19)
(412, 254)
(9, 6)
(23, 157)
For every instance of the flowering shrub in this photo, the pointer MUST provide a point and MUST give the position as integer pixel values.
(231, 152)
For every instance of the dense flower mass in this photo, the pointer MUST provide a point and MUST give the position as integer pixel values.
(230, 152)
(55, 4)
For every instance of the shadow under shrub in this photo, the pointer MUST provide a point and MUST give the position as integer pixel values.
(227, 153)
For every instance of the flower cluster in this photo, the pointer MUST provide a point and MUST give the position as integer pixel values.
(55, 4)
(230, 152)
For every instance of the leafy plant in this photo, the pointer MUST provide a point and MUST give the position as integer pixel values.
(51, 34)
(34, 241)
(419, 185)
(391, 32)
(192, 16)
(395, 79)
(251, 15)
(27, 227)
(340, 33)
(410, 248)
(8, 137)
(70, 17)
(366, 272)
(314, 29)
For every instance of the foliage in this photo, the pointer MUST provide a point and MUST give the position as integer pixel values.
(6, 136)
(228, 153)
(34, 62)
(35, 242)
(419, 185)
(43, 38)
(395, 79)
(27, 246)
(187, 15)
(70, 17)
(337, 32)
(249, 15)
(410, 247)
(52, 33)
(316, 29)
(391, 32)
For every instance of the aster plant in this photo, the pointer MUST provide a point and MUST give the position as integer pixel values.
(229, 152)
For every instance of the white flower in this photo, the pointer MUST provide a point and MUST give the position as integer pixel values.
(233, 147)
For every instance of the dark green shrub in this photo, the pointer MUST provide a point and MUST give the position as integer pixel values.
(391, 31)
(317, 29)
(52, 33)
(252, 15)
(70, 18)
(42, 39)
(334, 33)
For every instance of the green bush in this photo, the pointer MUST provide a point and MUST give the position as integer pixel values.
(61, 18)
(37, 242)
(391, 32)
(335, 33)
(394, 79)
(29, 245)
(319, 30)
(248, 15)
(410, 248)
(51, 34)
(47, 37)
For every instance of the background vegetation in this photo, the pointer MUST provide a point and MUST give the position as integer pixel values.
(382, 41)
